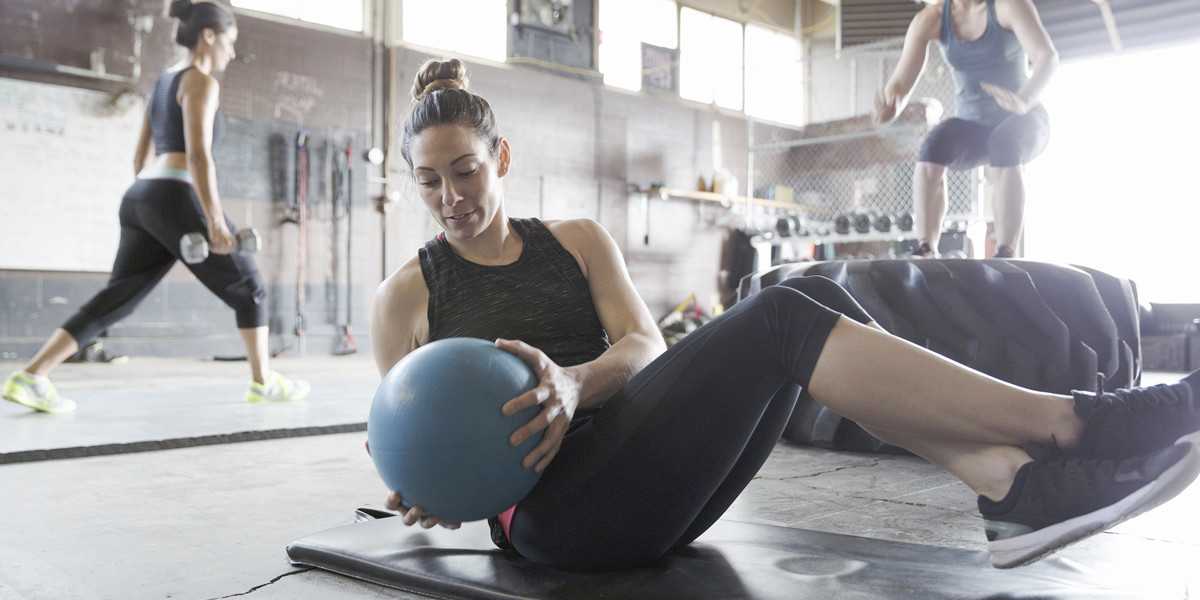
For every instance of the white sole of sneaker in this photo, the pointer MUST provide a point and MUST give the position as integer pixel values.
(1024, 549)
(17, 401)
(64, 408)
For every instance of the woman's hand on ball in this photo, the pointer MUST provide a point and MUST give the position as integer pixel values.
(414, 515)
(558, 393)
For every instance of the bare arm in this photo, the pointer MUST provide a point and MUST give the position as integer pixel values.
(143, 144)
(1022, 17)
(921, 31)
(199, 98)
(398, 322)
(635, 338)
(399, 326)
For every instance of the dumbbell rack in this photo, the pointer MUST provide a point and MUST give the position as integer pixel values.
(765, 213)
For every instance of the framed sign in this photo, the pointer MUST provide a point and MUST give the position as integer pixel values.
(660, 68)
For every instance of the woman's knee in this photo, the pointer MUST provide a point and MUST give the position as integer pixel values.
(248, 299)
(1003, 175)
(928, 172)
(783, 297)
(829, 293)
(1005, 149)
(819, 288)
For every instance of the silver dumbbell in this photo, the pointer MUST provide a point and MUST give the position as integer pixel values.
(193, 247)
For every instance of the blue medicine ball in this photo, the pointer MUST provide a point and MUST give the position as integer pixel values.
(438, 437)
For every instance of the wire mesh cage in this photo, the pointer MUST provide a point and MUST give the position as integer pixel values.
(847, 180)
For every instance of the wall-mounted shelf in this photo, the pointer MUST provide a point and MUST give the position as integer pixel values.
(718, 198)
(834, 138)
(824, 234)
(17, 67)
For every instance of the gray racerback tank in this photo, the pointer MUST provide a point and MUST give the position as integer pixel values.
(996, 57)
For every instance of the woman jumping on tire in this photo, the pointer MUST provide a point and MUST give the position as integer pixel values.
(999, 122)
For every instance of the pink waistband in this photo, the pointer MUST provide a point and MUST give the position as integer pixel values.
(505, 519)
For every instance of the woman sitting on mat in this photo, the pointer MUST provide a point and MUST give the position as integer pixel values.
(174, 195)
(645, 447)
(998, 121)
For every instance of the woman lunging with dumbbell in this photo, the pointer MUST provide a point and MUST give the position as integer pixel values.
(173, 212)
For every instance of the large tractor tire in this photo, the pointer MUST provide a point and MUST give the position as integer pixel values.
(1043, 326)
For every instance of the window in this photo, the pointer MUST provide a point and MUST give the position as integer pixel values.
(774, 76)
(710, 59)
(343, 14)
(1115, 188)
(624, 26)
(470, 27)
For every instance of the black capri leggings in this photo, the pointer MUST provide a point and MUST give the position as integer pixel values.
(961, 144)
(659, 463)
(155, 214)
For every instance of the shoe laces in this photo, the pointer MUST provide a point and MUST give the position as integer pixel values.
(1130, 400)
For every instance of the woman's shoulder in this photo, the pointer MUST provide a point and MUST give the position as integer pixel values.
(398, 315)
(583, 238)
(1009, 11)
(929, 18)
(404, 285)
(572, 226)
(402, 299)
(576, 233)
(195, 81)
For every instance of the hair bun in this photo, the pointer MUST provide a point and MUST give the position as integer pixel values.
(181, 9)
(439, 75)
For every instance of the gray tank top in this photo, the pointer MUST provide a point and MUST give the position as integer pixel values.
(996, 57)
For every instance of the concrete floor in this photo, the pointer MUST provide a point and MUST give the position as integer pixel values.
(156, 399)
(212, 522)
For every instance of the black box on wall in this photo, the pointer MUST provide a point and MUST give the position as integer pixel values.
(555, 31)
(660, 68)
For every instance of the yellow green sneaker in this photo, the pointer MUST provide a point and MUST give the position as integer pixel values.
(36, 392)
(277, 389)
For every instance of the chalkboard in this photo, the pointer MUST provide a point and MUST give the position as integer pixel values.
(66, 158)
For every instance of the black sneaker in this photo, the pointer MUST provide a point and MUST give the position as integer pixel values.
(1057, 502)
(924, 251)
(1132, 422)
(1003, 251)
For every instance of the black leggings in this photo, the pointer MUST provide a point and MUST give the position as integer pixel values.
(663, 460)
(961, 144)
(155, 214)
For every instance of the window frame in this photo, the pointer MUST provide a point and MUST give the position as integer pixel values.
(713, 104)
(805, 117)
(367, 7)
(403, 42)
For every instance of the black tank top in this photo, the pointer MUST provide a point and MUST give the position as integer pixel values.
(166, 115)
(542, 299)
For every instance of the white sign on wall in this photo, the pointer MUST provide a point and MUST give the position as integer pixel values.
(66, 158)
